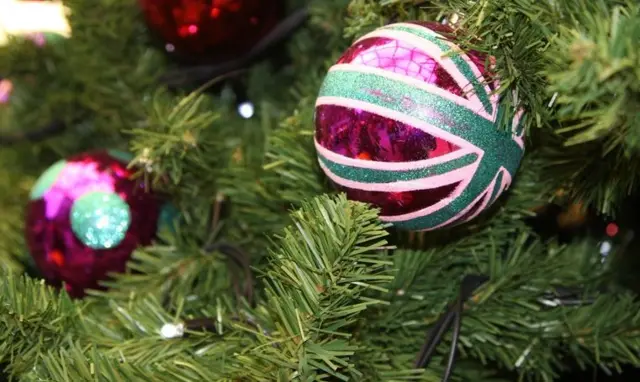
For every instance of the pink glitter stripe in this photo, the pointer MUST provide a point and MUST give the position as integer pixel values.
(463, 174)
(388, 166)
(487, 193)
(443, 203)
(493, 96)
(506, 181)
(436, 53)
(519, 139)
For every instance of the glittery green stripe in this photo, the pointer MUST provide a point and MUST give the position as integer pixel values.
(401, 97)
(367, 175)
(460, 63)
(421, 104)
(477, 185)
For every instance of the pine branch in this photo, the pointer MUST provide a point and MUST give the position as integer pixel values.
(171, 143)
(289, 173)
(169, 273)
(14, 188)
(131, 331)
(125, 340)
(33, 318)
(593, 70)
(85, 363)
(516, 34)
(326, 261)
(602, 180)
(505, 322)
(261, 196)
(111, 64)
(272, 174)
(41, 101)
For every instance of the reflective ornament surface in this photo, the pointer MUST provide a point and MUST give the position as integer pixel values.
(407, 122)
(86, 216)
(205, 31)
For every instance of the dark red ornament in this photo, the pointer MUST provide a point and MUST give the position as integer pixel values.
(206, 31)
(85, 218)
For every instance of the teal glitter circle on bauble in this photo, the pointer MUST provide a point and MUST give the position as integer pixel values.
(100, 220)
(47, 180)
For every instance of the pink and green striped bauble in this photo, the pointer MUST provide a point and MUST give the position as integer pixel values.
(409, 123)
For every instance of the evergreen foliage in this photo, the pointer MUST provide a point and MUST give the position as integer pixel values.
(339, 295)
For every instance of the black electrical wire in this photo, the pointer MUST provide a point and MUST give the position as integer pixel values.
(455, 337)
(452, 318)
(433, 339)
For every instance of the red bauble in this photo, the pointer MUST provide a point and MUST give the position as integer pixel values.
(85, 218)
(201, 31)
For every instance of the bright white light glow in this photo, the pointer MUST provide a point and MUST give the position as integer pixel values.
(169, 331)
(605, 248)
(27, 17)
(246, 110)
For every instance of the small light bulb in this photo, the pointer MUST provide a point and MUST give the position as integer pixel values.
(605, 248)
(169, 48)
(170, 331)
(246, 110)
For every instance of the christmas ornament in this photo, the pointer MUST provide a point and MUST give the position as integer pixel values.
(409, 123)
(39, 20)
(6, 87)
(85, 217)
(205, 31)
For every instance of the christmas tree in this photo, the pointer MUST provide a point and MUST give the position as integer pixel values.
(265, 242)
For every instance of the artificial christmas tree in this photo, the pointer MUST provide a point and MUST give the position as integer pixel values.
(270, 274)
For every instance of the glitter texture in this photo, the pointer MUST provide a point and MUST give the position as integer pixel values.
(87, 215)
(408, 122)
(100, 220)
(368, 175)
